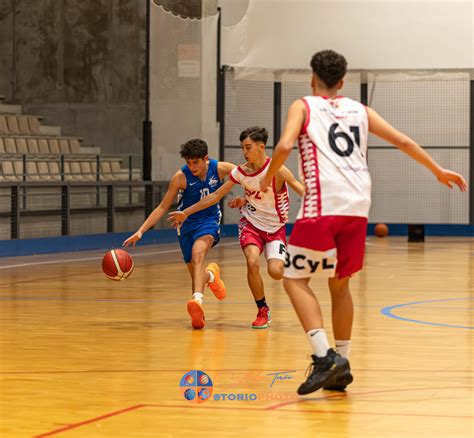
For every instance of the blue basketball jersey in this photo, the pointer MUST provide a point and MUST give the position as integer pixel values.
(194, 192)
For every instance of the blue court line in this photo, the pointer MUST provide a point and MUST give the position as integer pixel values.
(387, 311)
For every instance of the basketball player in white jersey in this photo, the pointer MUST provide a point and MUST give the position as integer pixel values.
(262, 227)
(329, 235)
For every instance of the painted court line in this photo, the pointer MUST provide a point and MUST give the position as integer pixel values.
(92, 420)
(226, 370)
(272, 408)
(387, 311)
(84, 259)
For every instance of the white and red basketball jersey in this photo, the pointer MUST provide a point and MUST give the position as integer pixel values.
(333, 158)
(267, 211)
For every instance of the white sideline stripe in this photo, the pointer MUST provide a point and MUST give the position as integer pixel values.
(84, 259)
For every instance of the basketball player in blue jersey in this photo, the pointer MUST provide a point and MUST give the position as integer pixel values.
(195, 180)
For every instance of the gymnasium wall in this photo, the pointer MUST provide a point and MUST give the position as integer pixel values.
(431, 107)
(428, 46)
(377, 34)
(80, 64)
(183, 83)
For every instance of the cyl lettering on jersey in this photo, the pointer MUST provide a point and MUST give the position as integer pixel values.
(253, 193)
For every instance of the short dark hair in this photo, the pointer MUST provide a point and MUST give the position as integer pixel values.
(195, 148)
(329, 66)
(255, 133)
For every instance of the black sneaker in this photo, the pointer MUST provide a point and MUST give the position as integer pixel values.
(340, 382)
(323, 370)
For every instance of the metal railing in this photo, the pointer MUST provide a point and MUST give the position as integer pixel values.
(153, 192)
(129, 171)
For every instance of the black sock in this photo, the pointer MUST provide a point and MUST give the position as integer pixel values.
(261, 303)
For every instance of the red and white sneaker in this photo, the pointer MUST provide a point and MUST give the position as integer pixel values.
(196, 312)
(264, 318)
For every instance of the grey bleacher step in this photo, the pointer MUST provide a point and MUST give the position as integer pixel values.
(9, 109)
(94, 150)
(50, 130)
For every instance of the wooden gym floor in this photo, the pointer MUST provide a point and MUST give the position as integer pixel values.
(83, 356)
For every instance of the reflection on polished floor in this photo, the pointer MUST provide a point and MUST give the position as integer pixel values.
(83, 356)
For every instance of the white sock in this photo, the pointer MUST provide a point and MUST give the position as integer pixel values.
(198, 296)
(211, 277)
(319, 341)
(343, 348)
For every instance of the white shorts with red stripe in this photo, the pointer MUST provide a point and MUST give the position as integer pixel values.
(326, 245)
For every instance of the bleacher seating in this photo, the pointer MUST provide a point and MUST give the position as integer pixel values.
(27, 154)
(16, 124)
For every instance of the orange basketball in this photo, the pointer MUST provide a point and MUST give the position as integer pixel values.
(117, 264)
(381, 230)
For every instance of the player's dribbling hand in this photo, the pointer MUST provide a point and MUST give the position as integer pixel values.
(177, 217)
(237, 202)
(133, 239)
(448, 178)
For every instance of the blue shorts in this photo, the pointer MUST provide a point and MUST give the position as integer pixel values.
(186, 240)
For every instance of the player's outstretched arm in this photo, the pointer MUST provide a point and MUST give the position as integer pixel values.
(206, 202)
(294, 123)
(381, 128)
(224, 168)
(177, 182)
(285, 174)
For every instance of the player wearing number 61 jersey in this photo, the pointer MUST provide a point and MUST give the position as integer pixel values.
(333, 158)
(329, 236)
(198, 178)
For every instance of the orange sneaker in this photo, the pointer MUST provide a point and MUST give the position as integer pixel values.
(196, 312)
(263, 318)
(217, 286)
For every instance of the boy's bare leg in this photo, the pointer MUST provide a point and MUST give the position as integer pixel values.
(275, 268)
(328, 366)
(304, 302)
(342, 308)
(199, 276)
(252, 254)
